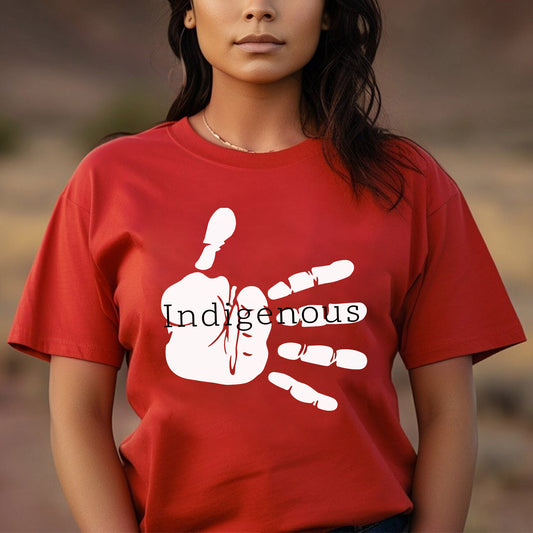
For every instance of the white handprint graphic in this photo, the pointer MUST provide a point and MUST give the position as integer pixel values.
(205, 317)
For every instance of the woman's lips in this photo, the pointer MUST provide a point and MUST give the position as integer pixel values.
(259, 48)
(259, 43)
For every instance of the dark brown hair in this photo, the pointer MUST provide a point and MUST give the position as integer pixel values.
(340, 98)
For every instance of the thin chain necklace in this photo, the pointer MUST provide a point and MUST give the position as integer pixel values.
(227, 143)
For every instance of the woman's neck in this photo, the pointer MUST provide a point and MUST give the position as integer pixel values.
(257, 117)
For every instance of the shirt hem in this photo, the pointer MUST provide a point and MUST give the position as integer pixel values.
(44, 350)
(479, 347)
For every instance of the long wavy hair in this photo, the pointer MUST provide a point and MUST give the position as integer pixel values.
(340, 101)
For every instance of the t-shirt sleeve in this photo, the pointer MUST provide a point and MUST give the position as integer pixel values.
(458, 304)
(66, 306)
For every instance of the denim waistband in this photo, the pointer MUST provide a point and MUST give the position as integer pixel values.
(394, 524)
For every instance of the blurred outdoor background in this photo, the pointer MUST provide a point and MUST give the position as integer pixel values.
(456, 76)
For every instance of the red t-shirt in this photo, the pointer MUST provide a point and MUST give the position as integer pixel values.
(260, 307)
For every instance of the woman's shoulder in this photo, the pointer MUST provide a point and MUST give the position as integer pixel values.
(422, 172)
(121, 146)
(116, 160)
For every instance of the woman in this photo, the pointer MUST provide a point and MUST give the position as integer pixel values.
(261, 257)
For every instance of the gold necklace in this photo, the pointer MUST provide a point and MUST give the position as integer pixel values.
(227, 143)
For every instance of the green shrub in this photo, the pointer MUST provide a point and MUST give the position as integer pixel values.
(10, 135)
(127, 112)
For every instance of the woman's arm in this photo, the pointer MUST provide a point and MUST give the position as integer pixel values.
(446, 411)
(86, 459)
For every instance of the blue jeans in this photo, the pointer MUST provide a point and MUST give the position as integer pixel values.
(395, 524)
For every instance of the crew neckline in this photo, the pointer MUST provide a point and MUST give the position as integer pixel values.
(183, 134)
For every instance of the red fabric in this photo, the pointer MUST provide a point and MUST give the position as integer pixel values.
(209, 455)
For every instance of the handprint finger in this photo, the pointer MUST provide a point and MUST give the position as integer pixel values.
(220, 228)
(323, 355)
(316, 276)
(249, 338)
(302, 392)
(321, 315)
